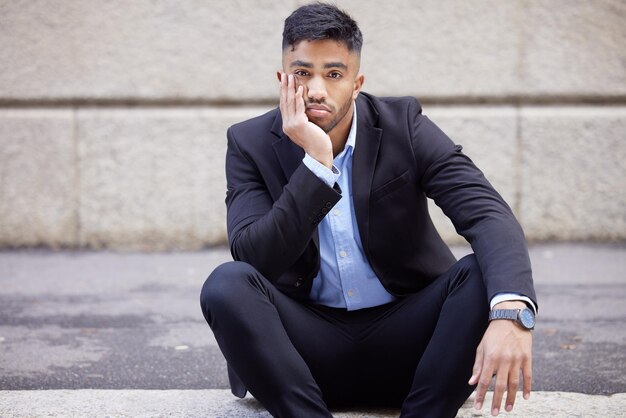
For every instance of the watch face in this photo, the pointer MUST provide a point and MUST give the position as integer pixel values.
(527, 318)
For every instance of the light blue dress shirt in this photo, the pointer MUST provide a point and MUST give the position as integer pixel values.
(345, 278)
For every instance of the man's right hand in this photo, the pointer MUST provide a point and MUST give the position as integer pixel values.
(304, 133)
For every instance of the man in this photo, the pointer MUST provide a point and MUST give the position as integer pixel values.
(343, 293)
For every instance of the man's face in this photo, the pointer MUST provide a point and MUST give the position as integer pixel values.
(329, 73)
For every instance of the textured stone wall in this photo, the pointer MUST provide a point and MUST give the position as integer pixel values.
(113, 114)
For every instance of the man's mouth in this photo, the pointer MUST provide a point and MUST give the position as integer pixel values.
(317, 110)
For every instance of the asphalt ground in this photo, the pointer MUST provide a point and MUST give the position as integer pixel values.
(107, 320)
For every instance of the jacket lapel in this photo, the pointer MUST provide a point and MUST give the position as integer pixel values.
(363, 164)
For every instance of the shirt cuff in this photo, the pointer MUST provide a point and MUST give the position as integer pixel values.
(507, 297)
(327, 175)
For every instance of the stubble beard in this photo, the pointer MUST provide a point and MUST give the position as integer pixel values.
(343, 110)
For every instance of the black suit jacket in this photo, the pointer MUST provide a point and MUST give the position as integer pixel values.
(274, 203)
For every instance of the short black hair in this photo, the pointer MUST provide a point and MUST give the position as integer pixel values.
(317, 21)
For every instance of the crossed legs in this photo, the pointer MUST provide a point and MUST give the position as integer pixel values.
(299, 359)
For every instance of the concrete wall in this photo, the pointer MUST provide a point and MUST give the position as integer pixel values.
(113, 114)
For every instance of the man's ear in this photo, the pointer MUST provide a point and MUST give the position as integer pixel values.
(358, 84)
(278, 74)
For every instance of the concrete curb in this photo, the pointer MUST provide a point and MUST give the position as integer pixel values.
(220, 403)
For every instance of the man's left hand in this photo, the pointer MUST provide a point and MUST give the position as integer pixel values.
(504, 351)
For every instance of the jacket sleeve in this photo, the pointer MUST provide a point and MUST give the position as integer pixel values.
(477, 211)
(271, 235)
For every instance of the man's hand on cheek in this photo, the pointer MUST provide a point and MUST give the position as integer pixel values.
(310, 137)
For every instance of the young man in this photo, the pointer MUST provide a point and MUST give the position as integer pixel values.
(343, 293)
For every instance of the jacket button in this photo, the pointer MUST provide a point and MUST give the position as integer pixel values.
(329, 205)
(324, 211)
(299, 282)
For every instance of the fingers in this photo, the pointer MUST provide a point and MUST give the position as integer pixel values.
(498, 391)
(283, 93)
(485, 366)
(481, 389)
(300, 108)
(478, 361)
(504, 350)
(484, 380)
(527, 372)
(287, 107)
(506, 380)
(512, 389)
(291, 96)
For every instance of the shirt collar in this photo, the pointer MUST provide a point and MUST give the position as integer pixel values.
(351, 141)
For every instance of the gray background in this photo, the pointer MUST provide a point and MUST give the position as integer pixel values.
(113, 114)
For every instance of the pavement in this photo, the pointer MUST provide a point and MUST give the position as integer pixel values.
(121, 334)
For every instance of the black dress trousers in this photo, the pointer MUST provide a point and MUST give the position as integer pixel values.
(299, 359)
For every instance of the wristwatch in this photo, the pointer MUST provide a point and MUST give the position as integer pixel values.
(524, 317)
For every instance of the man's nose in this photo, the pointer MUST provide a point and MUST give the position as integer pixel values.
(316, 89)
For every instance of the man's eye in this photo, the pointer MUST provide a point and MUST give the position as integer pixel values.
(300, 73)
(335, 75)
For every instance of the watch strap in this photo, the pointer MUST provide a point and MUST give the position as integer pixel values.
(510, 314)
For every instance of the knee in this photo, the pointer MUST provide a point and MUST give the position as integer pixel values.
(469, 283)
(223, 285)
(471, 275)
(469, 265)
